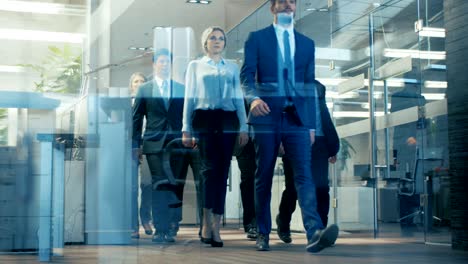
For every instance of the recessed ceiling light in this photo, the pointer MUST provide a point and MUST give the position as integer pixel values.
(203, 2)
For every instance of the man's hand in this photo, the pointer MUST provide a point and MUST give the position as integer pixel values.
(411, 141)
(187, 140)
(259, 108)
(243, 139)
(312, 137)
(332, 160)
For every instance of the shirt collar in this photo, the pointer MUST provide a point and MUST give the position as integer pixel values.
(280, 29)
(159, 81)
(210, 61)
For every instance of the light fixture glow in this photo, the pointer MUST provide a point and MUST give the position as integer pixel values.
(433, 96)
(331, 81)
(415, 54)
(11, 69)
(203, 2)
(366, 105)
(42, 8)
(335, 95)
(435, 84)
(432, 32)
(37, 35)
(357, 114)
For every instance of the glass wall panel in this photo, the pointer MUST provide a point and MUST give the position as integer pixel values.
(354, 184)
(435, 155)
(400, 184)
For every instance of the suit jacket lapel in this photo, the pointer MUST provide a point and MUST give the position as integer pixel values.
(272, 41)
(298, 45)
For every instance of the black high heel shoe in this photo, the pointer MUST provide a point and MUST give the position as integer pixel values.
(206, 240)
(216, 243)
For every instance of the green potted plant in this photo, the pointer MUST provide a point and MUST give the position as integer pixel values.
(345, 152)
(60, 71)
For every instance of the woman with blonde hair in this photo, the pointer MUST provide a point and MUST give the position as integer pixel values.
(136, 80)
(214, 113)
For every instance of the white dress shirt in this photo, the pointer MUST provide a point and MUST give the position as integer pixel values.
(279, 30)
(209, 86)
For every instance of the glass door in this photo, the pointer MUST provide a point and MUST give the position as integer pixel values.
(353, 186)
(410, 121)
(398, 134)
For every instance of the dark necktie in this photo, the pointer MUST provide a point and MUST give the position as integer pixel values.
(165, 93)
(287, 71)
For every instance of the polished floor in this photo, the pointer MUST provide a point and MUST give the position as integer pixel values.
(350, 248)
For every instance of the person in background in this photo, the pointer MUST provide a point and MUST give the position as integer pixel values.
(246, 163)
(144, 175)
(160, 101)
(324, 150)
(214, 113)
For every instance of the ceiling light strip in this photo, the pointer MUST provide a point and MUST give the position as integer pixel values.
(37, 35)
(42, 8)
(415, 54)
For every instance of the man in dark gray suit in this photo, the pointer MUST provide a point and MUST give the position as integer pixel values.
(161, 102)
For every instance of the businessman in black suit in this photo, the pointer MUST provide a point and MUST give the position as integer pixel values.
(278, 80)
(324, 150)
(161, 102)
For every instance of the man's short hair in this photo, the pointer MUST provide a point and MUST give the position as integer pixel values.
(161, 52)
(272, 2)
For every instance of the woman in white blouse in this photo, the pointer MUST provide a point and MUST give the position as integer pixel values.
(214, 114)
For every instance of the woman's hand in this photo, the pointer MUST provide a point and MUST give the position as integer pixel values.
(187, 140)
(243, 139)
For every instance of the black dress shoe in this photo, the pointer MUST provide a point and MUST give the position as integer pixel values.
(262, 243)
(173, 229)
(252, 233)
(169, 238)
(323, 239)
(159, 238)
(283, 233)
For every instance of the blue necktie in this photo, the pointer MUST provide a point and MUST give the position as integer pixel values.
(287, 71)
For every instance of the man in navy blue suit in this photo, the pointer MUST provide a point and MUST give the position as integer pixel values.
(278, 80)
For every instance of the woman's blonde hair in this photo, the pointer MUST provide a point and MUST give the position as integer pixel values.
(206, 34)
(136, 74)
